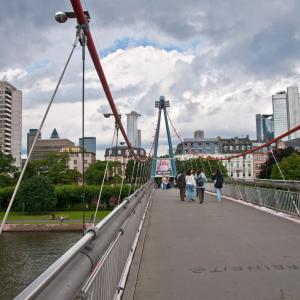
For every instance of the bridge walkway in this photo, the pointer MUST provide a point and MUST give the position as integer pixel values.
(217, 251)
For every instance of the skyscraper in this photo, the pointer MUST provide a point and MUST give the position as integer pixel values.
(132, 128)
(286, 112)
(293, 110)
(89, 143)
(10, 121)
(280, 115)
(30, 138)
(264, 127)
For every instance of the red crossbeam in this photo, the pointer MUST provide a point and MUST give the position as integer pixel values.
(78, 10)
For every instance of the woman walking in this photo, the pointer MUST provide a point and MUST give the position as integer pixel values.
(218, 184)
(190, 185)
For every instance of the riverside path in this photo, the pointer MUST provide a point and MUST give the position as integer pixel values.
(215, 251)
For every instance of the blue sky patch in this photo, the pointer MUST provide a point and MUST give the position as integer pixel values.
(127, 42)
(38, 65)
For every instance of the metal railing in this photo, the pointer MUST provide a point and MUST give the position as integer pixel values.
(93, 267)
(285, 201)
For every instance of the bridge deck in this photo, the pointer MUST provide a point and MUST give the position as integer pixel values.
(217, 251)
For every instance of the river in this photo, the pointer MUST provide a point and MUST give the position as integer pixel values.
(25, 255)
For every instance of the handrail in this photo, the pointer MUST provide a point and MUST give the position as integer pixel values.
(82, 253)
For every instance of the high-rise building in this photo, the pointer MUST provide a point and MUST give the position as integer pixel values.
(286, 112)
(264, 127)
(89, 144)
(30, 138)
(280, 114)
(132, 128)
(199, 134)
(11, 121)
(293, 110)
(139, 145)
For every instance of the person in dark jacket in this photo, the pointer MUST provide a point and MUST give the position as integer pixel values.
(218, 180)
(181, 185)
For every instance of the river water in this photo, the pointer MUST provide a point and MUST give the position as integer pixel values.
(25, 255)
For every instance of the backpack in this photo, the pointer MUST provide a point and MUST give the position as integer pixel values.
(181, 181)
(200, 180)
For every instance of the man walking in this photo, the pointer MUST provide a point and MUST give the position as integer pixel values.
(181, 185)
(200, 185)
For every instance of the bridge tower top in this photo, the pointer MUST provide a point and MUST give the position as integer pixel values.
(165, 166)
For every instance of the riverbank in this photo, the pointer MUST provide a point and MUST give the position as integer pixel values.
(45, 227)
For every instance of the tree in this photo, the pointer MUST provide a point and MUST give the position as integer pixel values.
(36, 194)
(6, 164)
(266, 168)
(94, 174)
(54, 166)
(7, 170)
(290, 167)
(208, 166)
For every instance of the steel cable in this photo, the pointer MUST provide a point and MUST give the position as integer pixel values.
(37, 134)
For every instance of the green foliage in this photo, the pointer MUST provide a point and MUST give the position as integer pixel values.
(69, 195)
(209, 167)
(290, 167)
(36, 195)
(54, 167)
(6, 164)
(95, 172)
(5, 195)
(266, 168)
(132, 172)
(7, 170)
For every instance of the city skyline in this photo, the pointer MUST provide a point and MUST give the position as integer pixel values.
(208, 62)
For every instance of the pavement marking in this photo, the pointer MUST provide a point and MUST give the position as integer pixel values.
(248, 268)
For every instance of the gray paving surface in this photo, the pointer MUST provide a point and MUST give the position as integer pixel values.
(217, 251)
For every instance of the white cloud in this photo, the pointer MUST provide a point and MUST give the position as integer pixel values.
(12, 74)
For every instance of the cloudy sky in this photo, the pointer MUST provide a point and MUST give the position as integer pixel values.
(218, 62)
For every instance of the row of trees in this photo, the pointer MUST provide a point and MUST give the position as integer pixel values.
(48, 184)
(208, 166)
(289, 163)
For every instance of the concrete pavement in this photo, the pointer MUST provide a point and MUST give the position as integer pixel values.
(217, 251)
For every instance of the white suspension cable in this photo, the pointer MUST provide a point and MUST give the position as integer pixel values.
(119, 198)
(37, 135)
(104, 176)
(131, 177)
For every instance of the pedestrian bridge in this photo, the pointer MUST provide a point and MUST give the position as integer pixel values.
(158, 247)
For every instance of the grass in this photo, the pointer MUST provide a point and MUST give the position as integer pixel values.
(70, 215)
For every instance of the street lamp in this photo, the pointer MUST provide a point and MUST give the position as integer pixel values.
(117, 127)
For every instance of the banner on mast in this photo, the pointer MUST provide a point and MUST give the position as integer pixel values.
(163, 168)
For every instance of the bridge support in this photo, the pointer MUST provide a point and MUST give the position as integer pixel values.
(162, 104)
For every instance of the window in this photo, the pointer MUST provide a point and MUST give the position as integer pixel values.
(75, 168)
(237, 174)
(75, 162)
(237, 147)
(230, 148)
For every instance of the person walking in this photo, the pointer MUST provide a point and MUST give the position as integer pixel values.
(200, 185)
(164, 183)
(190, 185)
(218, 179)
(181, 185)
